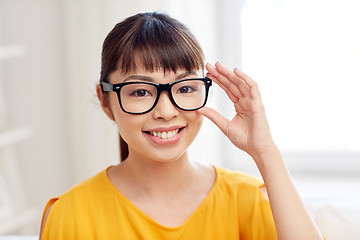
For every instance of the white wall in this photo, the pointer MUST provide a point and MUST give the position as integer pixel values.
(35, 94)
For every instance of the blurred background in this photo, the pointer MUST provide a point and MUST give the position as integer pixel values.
(305, 56)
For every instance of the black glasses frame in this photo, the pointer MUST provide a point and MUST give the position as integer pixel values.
(107, 87)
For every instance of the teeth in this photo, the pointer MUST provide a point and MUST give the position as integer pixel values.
(170, 134)
(165, 135)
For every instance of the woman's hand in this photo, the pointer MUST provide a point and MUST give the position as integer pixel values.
(249, 129)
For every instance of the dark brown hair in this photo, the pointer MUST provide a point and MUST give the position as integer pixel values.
(158, 41)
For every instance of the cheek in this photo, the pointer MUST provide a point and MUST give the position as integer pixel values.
(129, 126)
(129, 129)
(196, 120)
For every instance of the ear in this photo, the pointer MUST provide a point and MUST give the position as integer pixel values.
(104, 101)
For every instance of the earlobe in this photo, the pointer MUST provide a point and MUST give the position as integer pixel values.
(104, 101)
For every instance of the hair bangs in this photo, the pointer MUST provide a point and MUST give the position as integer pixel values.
(160, 45)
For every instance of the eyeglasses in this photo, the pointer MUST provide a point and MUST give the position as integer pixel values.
(142, 97)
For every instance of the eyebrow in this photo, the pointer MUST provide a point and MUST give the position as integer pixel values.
(150, 79)
(183, 75)
(139, 77)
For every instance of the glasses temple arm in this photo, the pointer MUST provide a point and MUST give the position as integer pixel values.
(107, 87)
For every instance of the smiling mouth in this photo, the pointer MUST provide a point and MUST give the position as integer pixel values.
(165, 135)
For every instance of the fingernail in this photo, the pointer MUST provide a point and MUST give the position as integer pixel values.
(208, 64)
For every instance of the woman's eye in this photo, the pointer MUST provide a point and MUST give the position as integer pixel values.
(186, 89)
(141, 93)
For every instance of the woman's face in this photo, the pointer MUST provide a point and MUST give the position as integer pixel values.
(164, 133)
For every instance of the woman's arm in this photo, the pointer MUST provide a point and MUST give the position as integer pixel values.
(249, 131)
(46, 214)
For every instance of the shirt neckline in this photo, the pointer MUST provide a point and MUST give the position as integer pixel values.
(151, 220)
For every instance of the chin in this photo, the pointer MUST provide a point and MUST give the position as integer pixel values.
(159, 154)
(168, 156)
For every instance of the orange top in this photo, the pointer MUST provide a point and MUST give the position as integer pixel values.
(235, 208)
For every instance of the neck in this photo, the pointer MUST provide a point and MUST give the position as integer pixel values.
(154, 177)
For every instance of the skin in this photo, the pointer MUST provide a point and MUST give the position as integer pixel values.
(158, 179)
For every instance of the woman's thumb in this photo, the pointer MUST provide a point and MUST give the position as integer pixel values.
(215, 117)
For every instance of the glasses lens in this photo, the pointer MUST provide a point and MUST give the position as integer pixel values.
(137, 97)
(189, 94)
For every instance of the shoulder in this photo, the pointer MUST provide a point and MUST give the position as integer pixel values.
(248, 193)
(243, 187)
(74, 205)
(80, 195)
(227, 176)
(92, 186)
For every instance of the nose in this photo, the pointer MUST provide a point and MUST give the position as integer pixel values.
(164, 108)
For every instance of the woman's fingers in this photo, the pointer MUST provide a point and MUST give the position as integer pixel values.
(215, 117)
(224, 87)
(224, 82)
(252, 85)
(240, 88)
(238, 81)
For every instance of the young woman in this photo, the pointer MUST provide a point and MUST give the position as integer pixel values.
(152, 86)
